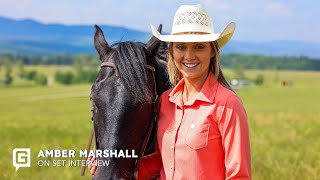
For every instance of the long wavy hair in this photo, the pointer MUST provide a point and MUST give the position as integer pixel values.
(175, 76)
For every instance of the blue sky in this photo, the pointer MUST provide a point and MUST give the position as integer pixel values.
(257, 20)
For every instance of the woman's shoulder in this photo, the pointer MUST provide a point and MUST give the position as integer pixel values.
(166, 93)
(225, 95)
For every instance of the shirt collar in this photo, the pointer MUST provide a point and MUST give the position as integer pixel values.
(206, 94)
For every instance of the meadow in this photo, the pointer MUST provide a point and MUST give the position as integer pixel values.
(284, 125)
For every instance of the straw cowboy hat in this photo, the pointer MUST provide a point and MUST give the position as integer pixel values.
(193, 18)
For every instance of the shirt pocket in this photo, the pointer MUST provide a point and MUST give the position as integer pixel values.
(197, 136)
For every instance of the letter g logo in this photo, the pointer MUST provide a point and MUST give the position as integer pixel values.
(21, 157)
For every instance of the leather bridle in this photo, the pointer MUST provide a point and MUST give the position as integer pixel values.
(155, 114)
(111, 64)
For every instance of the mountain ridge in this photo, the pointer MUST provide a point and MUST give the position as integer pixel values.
(28, 36)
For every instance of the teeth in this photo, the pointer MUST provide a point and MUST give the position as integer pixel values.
(190, 65)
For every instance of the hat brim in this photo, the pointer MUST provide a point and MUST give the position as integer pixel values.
(222, 38)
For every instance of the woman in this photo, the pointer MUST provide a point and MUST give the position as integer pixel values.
(203, 129)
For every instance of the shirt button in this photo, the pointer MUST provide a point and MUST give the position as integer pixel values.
(192, 126)
(171, 167)
(171, 147)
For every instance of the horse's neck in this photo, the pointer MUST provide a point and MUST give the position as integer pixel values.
(162, 80)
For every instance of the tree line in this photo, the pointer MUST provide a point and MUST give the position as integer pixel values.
(261, 62)
(84, 69)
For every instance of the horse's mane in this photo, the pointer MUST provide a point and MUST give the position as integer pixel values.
(130, 59)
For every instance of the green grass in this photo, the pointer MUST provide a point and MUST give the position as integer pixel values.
(43, 118)
(284, 131)
(284, 125)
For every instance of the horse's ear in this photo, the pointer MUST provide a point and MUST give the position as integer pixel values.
(154, 43)
(100, 43)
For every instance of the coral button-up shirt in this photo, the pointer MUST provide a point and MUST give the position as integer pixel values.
(205, 138)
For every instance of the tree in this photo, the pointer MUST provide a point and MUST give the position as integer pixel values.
(30, 75)
(259, 79)
(41, 79)
(8, 79)
(64, 78)
(20, 69)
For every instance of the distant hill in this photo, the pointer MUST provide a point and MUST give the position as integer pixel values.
(31, 37)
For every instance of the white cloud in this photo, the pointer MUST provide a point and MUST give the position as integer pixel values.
(276, 9)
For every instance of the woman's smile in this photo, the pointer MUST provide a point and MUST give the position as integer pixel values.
(190, 65)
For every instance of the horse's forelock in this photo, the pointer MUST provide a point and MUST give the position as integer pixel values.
(130, 59)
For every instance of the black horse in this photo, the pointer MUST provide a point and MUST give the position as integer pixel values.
(131, 77)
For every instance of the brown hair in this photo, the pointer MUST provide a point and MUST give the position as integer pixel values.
(175, 76)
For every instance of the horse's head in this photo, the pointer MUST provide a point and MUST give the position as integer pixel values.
(123, 96)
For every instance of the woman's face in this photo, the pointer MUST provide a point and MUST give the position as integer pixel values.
(192, 59)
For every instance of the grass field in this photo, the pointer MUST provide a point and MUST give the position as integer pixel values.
(284, 125)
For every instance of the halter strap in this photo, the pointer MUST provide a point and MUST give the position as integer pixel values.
(111, 64)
